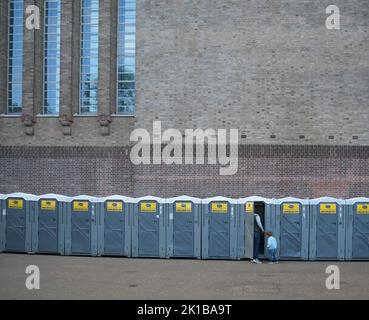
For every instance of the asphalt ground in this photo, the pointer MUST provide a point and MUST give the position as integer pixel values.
(63, 277)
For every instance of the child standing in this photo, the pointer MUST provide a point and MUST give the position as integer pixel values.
(272, 247)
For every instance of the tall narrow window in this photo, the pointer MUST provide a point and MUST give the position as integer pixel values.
(126, 56)
(15, 57)
(52, 57)
(89, 57)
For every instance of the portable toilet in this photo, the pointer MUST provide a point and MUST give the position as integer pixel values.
(114, 226)
(327, 232)
(219, 228)
(357, 229)
(2, 222)
(48, 223)
(247, 207)
(16, 222)
(183, 227)
(292, 228)
(148, 227)
(81, 226)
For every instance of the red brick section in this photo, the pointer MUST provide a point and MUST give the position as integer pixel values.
(265, 170)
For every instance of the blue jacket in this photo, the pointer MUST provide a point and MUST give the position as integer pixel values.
(272, 243)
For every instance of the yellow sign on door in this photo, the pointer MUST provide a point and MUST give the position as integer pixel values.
(81, 206)
(48, 205)
(114, 206)
(219, 207)
(148, 206)
(291, 208)
(183, 207)
(328, 208)
(15, 204)
(362, 208)
(249, 207)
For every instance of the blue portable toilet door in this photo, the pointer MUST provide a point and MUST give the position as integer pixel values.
(81, 227)
(114, 227)
(360, 233)
(327, 231)
(247, 211)
(291, 230)
(16, 221)
(219, 230)
(48, 226)
(183, 229)
(148, 228)
(2, 223)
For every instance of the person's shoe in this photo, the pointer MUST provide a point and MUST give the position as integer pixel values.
(257, 261)
(270, 262)
(277, 262)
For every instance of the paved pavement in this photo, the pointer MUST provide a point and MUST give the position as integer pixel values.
(120, 278)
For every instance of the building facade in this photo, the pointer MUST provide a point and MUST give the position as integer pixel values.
(72, 92)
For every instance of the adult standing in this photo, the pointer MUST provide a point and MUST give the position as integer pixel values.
(258, 232)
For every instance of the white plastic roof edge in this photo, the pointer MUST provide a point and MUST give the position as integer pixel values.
(209, 200)
(327, 199)
(255, 199)
(183, 198)
(25, 196)
(149, 198)
(291, 199)
(57, 197)
(2, 196)
(117, 197)
(356, 200)
(85, 197)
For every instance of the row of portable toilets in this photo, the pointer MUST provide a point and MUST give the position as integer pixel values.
(183, 227)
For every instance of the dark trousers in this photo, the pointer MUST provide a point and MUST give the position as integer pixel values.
(257, 238)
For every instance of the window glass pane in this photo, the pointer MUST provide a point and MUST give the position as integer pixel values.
(126, 56)
(89, 56)
(15, 57)
(52, 57)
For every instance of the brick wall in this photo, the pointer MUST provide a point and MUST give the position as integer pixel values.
(271, 171)
(269, 68)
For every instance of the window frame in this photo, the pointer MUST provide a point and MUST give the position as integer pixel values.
(9, 107)
(118, 65)
(44, 91)
(80, 73)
